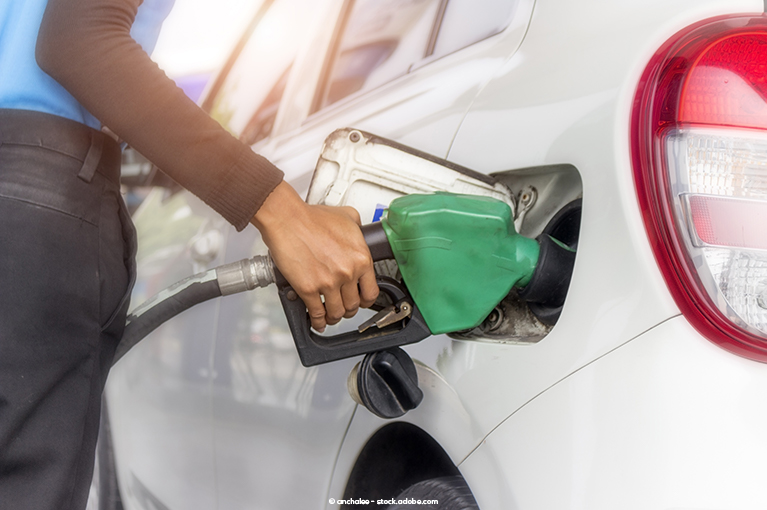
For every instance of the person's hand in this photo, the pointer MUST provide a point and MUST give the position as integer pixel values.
(321, 252)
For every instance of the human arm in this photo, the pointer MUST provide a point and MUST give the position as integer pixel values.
(86, 46)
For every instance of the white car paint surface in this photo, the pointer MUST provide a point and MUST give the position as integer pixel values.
(622, 404)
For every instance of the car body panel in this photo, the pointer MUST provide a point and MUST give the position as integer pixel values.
(164, 419)
(276, 423)
(426, 113)
(611, 436)
(585, 102)
(521, 420)
(422, 108)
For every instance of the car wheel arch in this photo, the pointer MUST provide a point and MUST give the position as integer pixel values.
(395, 457)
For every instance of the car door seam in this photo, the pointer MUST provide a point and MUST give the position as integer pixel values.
(556, 383)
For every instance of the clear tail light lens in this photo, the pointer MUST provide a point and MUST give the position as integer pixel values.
(699, 149)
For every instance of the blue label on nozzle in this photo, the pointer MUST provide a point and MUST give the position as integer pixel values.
(380, 208)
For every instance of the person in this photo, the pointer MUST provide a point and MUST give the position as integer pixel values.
(67, 245)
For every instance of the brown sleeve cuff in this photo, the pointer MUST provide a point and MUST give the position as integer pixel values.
(242, 189)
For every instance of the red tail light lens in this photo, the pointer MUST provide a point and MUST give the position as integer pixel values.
(699, 149)
(727, 85)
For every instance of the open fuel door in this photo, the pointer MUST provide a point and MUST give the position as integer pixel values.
(367, 172)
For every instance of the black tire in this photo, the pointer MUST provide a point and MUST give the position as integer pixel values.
(450, 493)
(104, 493)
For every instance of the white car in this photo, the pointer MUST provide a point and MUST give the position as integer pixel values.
(636, 129)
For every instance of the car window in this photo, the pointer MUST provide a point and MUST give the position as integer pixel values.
(379, 41)
(247, 100)
(468, 21)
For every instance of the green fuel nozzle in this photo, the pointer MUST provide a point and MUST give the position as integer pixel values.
(459, 256)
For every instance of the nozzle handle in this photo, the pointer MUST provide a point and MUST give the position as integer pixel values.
(375, 237)
(315, 349)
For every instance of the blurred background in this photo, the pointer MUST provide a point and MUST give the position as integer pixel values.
(196, 38)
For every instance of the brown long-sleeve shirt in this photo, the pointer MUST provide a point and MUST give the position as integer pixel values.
(86, 46)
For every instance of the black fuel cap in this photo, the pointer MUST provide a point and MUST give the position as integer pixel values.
(386, 383)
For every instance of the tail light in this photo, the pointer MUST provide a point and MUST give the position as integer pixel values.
(699, 149)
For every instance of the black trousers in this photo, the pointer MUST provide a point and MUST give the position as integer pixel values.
(67, 248)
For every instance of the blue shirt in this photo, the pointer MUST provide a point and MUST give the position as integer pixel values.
(24, 86)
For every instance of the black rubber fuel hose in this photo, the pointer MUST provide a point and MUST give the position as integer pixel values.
(137, 328)
(233, 278)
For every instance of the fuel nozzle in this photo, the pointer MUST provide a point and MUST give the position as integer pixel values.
(546, 291)
(459, 256)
